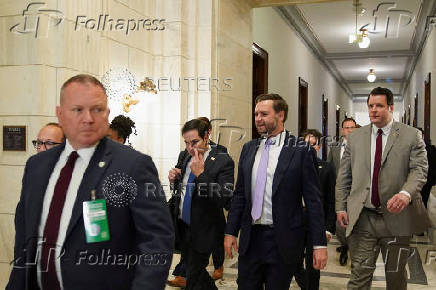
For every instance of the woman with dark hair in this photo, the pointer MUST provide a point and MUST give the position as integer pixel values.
(120, 129)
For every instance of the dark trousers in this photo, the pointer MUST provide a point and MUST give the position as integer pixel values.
(308, 277)
(262, 265)
(197, 278)
(217, 257)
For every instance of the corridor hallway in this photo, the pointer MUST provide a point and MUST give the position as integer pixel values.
(421, 273)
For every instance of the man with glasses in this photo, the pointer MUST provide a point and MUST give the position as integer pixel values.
(335, 155)
(49, 136)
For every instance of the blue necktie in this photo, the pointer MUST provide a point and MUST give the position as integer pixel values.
(186, 210)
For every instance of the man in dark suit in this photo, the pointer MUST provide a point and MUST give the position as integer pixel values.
(274, 175)
(308, 277)
(61, 242)
(204, 183)
(334, 157)
(218, 251)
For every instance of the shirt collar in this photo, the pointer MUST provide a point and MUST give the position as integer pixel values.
(277, 139)
(386, 129)
(84, 153)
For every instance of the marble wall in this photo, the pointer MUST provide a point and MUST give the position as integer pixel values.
(202, 40)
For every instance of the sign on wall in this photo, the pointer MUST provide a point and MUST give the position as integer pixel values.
(14, 138)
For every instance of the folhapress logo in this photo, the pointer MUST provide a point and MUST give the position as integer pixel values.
(37, 20)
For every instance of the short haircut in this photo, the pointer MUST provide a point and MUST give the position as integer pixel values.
(123, 126)
(312, 132)
(382, 91)
(196, 124)
(82, 79)
(278, 105)
(206, 120)
(348, 120)
(54, 124)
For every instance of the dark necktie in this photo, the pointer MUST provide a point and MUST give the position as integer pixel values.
(186, 209)
(51, 230)
(375, 198)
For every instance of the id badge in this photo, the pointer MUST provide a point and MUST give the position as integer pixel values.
(95, 221)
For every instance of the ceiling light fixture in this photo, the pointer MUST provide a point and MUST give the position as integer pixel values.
(359, 36)
(371, 76)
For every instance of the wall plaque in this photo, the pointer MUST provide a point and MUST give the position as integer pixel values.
(14, 138)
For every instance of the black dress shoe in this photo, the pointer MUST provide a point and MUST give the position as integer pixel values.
(344, 256)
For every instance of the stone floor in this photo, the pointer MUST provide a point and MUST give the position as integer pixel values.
(421, 269)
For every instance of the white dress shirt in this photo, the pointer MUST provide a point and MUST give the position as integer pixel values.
(185, 180)
(80, 166)
(273, 158)
(344, 143)
(374, 132)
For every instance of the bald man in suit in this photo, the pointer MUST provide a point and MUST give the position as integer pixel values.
(378, 199)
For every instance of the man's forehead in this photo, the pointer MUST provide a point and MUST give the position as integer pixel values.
(72, 90)
(50, 130)
(264, 105)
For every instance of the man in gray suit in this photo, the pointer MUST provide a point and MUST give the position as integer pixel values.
(378, 199)
(335, 154)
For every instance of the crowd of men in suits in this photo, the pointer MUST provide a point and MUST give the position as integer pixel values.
(91, 214)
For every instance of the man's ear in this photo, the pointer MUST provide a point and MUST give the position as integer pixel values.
(391, 108)
(58, 115)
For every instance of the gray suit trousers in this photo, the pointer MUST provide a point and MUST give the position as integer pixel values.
(369, 236)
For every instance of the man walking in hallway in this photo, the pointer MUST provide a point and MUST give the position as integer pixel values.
(204, 183)
(334, 157)
(378, 199)
(308, 277)
(71, 210)
(275, 173)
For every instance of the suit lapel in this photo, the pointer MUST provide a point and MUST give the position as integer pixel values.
(285, 158)
(39, 186)
(248, 168)
(391, 141)
(98, 164)
(367, 146)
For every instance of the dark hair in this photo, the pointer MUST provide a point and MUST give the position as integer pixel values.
(123, 126)
(279, 103)
(348, 120)
(382, 91)
(314, 132)
(82, 79)
(206, 120)
(54, 124)
(196, 124)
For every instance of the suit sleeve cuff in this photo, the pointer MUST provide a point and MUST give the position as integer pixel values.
(319, 247)
(341, 211)
(407, 194)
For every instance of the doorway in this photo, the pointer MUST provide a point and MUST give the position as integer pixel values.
(325, 122)
(427, 91)
(260, 80)
(302, 105)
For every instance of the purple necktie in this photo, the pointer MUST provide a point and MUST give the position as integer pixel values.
(259, 189)
(375, 198)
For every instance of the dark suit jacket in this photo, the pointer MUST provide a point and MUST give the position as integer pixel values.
(327, 179)
(208, 200)
(295, 177)
(141, 227)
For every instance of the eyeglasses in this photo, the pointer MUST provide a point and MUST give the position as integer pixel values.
(47, 144)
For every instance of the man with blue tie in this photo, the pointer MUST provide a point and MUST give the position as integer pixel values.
(203, 185)
(275, 174)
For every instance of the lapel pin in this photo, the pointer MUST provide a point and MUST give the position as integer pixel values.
(101, 164)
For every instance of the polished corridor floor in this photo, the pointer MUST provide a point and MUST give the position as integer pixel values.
(421, 269)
